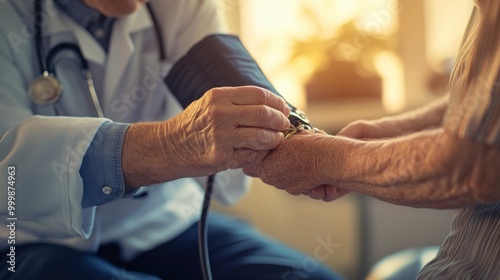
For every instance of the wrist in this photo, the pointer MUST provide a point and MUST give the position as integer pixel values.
(144, 159)
(343, 160)
(328, 151)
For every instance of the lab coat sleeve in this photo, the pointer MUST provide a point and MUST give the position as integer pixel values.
(46, 152)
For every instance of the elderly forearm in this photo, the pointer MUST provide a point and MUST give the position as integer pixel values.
(425, 169)
(428, 117)
(152, 154)
(144, 161)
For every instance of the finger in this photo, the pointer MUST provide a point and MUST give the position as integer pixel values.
(251, 95)
(261, 116)
(351, 131)
(333, 193)
(318, 193)
(256, 139)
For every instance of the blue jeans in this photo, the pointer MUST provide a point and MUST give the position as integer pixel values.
(237, 251)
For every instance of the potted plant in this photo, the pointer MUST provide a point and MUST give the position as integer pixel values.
(342, 59)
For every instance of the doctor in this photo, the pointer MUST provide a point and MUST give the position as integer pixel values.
(81, 159)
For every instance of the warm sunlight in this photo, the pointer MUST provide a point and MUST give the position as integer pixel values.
(308, 37)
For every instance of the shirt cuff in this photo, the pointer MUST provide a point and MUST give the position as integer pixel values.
(101, 168)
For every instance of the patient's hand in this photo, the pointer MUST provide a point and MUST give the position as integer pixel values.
(373, 129)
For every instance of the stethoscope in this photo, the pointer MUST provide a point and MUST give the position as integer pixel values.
(46, 90)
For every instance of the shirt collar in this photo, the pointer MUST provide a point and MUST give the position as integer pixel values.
(79, 12)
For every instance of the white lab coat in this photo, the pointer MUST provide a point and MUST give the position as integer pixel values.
(47, 151)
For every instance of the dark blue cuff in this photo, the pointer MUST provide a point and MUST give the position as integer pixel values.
(101, 168)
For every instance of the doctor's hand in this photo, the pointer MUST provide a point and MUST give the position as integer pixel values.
(225, 129)
(296, 166)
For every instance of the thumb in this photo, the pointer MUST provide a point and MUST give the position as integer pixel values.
(352, 131)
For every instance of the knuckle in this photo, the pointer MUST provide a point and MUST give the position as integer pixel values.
(261, 95)
(283, 104)
(279, 121)
(263, 113)
(255, 141)
(209, 95)
(214, 113)
(266, 140)
(213, 95)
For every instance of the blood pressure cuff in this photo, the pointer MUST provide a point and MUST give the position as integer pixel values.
(216, 61)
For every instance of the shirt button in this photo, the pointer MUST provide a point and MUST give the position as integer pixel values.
(107, 190)
(99, 33)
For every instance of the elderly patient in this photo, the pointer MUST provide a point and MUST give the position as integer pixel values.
(446, 155)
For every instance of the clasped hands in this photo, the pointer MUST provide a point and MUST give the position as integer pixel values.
(242, 127)
(228, 128)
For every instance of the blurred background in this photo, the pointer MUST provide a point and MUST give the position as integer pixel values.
(339, 61)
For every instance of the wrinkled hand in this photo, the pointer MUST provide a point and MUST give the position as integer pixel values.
(296, 166)
(227, 128)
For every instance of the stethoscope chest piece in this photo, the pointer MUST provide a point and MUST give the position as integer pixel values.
(45, 90)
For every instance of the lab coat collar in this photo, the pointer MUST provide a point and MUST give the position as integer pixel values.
(121, 46)
(59, 22)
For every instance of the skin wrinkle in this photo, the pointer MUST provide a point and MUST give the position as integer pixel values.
(404, 171)
(431, 170)
(449, 187)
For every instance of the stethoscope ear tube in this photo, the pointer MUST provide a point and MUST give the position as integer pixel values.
(85, 67)
(62, 47)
